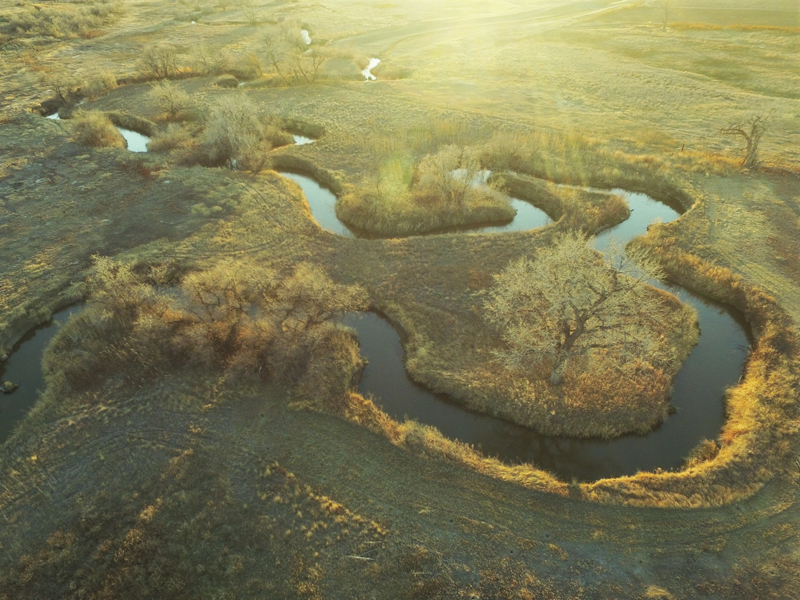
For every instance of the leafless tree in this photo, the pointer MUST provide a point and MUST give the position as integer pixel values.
(275, 53)
(305, 65)
(666, 7)
(450, 174)
(249, 9)
(235, 135)
(160, 62)
(212, 61)
(751, 129)
(171, 99)
(569, 302)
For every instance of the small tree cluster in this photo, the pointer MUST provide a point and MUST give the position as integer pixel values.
(569, 302)
(240, 317)
(452, 176)
(69, 89)
(172, 100)
(235, 135)
(290, 58)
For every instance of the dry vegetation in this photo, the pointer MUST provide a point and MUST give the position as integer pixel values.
(61, 20)
(444, 191)
(248, 320)
(154, 448)
(96, 129)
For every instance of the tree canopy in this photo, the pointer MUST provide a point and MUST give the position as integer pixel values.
(570, 302)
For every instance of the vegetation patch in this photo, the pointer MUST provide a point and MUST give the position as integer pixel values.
(445, 190)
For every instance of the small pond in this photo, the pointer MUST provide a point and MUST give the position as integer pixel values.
(135, 140)
(24, 368)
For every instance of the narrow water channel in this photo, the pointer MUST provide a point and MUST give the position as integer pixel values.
(714, 365)
(24, 368)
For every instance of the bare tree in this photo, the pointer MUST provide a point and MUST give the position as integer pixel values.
(171, 99)
(450, 174)
(235, 135)
(212, 61)
(570, 302)
(249, 10)
(666, 9)
(275, 53)
(751, 129)
(160, 62)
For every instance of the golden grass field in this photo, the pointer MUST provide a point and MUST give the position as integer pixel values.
(167, 482)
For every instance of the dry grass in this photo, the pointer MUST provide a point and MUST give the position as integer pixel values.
(65, 20)
(96, 129)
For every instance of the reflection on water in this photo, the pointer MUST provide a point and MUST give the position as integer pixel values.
(322, 203)
(367, 73)
(135, 140)
(714, 365)
(24, 367)
(301, 140)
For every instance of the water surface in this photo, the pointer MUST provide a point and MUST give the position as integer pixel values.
(136, 141)
(24, 367)
(367, 73)
(714, 365)
(301, 140)
(322, 203)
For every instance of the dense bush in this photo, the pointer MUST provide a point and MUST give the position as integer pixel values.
(174, 102)
(62, 22)
(96, 129)
(240, 317)
(235, 135)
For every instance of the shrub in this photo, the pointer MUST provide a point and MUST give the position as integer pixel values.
(172, 100)
(95, 129)
(238, 316)
(235, 135)
(99, 84)
(160, 61)
(173, 138)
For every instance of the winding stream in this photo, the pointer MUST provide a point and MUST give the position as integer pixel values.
(134, 141)
(714, 365)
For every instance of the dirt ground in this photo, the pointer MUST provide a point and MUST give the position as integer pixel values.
(190, 485)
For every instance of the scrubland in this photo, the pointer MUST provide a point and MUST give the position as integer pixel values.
(199, 438)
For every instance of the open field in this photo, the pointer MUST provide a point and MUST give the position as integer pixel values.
(156, 480)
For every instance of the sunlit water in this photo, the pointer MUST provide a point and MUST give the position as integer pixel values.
(24, 367)
(301, 140)
(714, 365)
(322, 203)
(367, 73)
(135, 140)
